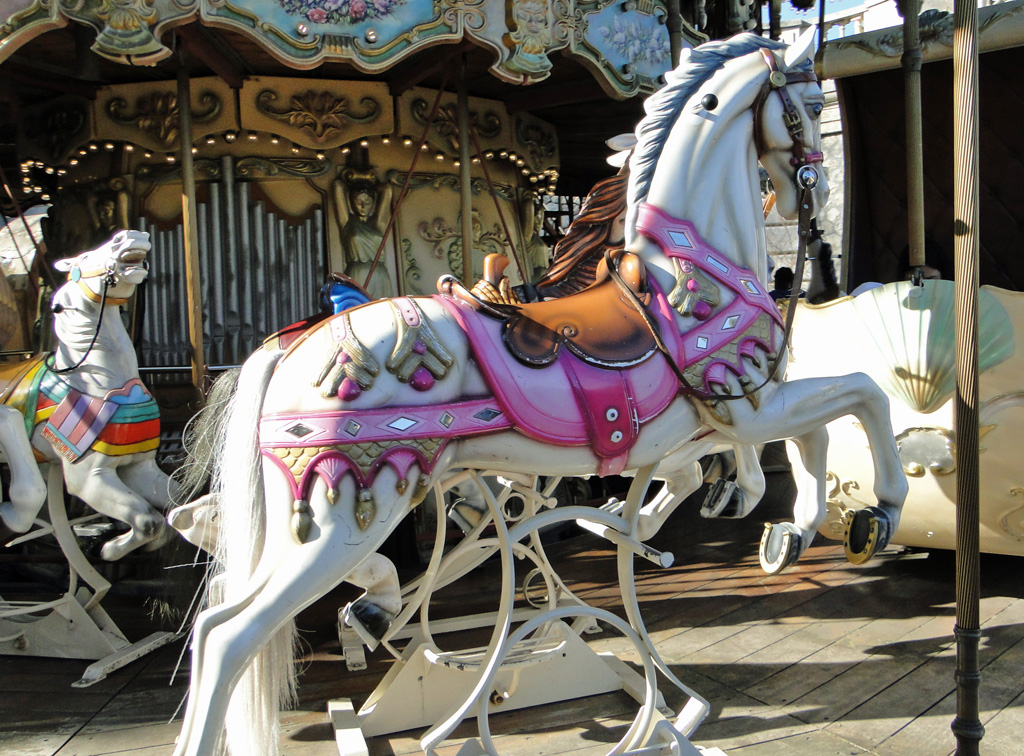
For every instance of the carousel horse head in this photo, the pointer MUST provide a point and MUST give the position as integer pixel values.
(113, 269)
(729, 105)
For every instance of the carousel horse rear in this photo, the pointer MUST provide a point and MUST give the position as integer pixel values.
(330, 442)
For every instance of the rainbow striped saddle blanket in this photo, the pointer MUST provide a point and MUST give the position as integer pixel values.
(124, 421)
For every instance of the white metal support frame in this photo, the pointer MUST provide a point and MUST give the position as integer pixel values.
(73, 626)
(544, 660)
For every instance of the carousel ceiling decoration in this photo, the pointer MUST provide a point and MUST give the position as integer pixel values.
(624, 43)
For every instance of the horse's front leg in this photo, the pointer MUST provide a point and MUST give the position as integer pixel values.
(27, 490)
(146, 479)
(94, 480)
(798, 408)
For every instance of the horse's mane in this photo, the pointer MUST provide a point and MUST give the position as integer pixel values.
(696, 66)
(574, 264)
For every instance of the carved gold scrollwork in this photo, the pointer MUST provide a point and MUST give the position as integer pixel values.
(156, 114)
(538, 141)
(446, 123)
(1012, 521)
(321, 115)
(471, 12)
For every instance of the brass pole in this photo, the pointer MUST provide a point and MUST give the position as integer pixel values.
(193, 296)
(966, 726)
(465, 190)
(915, 154)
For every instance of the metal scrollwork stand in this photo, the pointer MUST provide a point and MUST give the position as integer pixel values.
(544, 660)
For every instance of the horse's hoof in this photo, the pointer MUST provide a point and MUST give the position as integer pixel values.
(868, 531)
(370, 621)
(725, 499)
(781, 545)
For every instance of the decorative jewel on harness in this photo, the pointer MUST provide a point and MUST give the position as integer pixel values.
(419, 358)
(351, 368)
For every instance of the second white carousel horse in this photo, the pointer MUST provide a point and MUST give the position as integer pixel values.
(85, 407)
(331, 443)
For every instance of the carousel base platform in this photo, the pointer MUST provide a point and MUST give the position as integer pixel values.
(828, 658)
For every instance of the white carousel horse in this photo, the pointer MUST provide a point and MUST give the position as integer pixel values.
(330, 443)
(86, 408)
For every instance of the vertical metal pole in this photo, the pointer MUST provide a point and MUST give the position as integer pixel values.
(775, 19)
(193, 295)
(966, 726)
(465, 189)
(915, 152)
(674, 25)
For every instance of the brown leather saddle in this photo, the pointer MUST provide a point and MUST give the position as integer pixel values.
(599, 325)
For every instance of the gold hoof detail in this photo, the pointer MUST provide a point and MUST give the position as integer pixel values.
(864, 534)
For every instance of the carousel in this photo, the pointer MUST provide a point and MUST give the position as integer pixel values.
(410, 157)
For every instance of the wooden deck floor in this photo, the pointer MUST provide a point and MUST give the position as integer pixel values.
(828, 659)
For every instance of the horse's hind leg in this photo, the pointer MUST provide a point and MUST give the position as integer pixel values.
(372, 614)
(27, 490)
(737, 499)
(94, 479)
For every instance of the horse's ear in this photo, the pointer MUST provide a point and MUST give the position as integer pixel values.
(802, 49)
(66, 264)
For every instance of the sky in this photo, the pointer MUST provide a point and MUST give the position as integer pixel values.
(832, 6)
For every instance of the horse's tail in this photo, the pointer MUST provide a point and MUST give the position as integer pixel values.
(203, 437)
(269, 682)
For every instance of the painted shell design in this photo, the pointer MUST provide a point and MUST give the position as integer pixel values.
(912, 331)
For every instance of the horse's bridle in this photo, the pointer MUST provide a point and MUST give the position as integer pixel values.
(802, 159)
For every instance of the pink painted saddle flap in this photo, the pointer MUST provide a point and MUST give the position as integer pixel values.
(569, 402)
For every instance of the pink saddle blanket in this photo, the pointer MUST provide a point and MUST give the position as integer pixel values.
(569, 402)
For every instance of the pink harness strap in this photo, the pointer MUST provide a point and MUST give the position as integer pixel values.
(732, 322)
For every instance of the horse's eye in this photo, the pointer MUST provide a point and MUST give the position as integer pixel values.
(815, 109)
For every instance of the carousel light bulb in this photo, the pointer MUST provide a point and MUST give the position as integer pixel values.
(62, 171)
(82, 152)
(230, 136)
(147, 154)
(385, 139)
(439, 156)
(364, 142)
(321, 156)
(345, 150)
(40, 164)
(195, 150)
(526, 171)
(45, 197)
(49, 170)
(25, 168)
(425, 147)
(211, 140)
(253, 136)
(520, 162)
(73, 161)
(407, 141)
(93, 147)
(295, 149)
(129, 148)
(109, 146)
(274, 139)
(475, 160)
(534, 179)
(489, 155)
(170, 158)
(513, 156)
(503, 154)
(457, 163)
